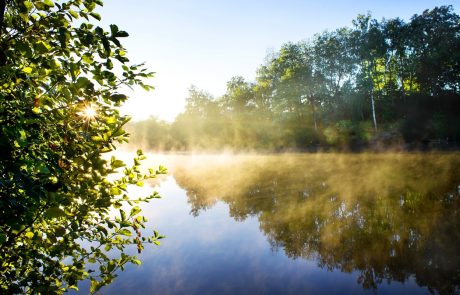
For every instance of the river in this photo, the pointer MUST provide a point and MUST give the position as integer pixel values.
(302, 224)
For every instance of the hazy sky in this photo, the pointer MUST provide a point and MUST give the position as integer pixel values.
(206, 42)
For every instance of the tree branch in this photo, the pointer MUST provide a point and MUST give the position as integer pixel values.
(2, 14)
(2, 17)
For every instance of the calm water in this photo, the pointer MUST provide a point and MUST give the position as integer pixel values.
(303, 224)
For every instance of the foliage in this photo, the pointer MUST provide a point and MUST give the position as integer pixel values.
(404, 77)
(141, 133)
(60, 78)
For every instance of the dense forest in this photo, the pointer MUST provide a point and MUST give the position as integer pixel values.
(377, 84)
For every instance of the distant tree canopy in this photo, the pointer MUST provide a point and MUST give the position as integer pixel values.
(378, 82)
(60, 77)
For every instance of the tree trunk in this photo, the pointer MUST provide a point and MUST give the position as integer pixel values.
(372, 98)
(314, 113)
(373, 108)
(403, 90)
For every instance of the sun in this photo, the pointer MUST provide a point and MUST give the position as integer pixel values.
(89, 112)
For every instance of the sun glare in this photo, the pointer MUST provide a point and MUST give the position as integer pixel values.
(89, 112)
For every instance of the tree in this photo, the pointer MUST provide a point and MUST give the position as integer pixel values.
(200, 126)
(152, 134)
(238, 109)
(402, 77)
(334, 66)
(59, 95)
(435, 41)
(369, 43)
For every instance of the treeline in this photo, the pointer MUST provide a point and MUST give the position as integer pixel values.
(383, 84)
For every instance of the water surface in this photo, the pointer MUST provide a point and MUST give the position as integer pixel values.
(303, 224)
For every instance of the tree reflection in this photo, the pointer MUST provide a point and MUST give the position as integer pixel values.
(389, 217)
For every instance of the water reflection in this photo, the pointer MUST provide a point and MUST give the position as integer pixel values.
(389, 217)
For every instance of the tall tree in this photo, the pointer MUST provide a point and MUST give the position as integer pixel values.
(435, 41)
(370, 47)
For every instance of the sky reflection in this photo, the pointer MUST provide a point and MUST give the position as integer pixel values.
(298, 225)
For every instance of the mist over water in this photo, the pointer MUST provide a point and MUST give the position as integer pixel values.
(304, 223)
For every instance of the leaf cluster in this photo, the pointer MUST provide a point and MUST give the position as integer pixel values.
(56, 197)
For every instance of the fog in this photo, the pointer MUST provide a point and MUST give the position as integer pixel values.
(386, 215)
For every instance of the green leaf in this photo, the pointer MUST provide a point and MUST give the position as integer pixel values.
(115, 191)
(122, 215)
(135, 210)
(42, 47)
(162, 170)
(97, 138)
(111, 266)
(25, 49)
(122, 34)
(27, 70)
(118, 97)
(87, 58)
(119, 132)
(96, 15)
(60, 231)
(106, 45)
(136, 261)
(54, 212)
(73, 13)
(125, 232)
(28, 5)
(102, 229)
(94, 286)
(22, 135)
(111, 120)
(75, 70)
(117, 164)
(82, 82)
(48, 3)
(113, 29)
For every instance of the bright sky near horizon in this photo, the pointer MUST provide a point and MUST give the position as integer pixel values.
(206, 42)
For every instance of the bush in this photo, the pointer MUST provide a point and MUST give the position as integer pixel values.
(58, 114)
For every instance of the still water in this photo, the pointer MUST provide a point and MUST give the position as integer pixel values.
(302, 224)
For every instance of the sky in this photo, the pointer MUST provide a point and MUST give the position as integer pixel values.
(206, 42)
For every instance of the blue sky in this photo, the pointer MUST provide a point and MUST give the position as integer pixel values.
(206, 42)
